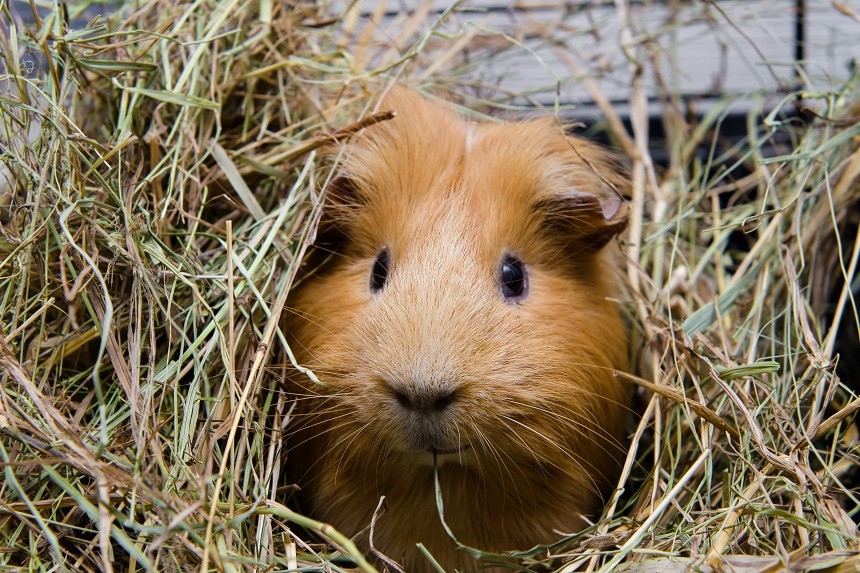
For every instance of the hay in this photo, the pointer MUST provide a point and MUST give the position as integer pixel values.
(157, 170)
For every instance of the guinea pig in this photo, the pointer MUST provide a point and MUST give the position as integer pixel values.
(464, 318)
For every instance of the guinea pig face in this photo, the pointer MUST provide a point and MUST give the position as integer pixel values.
(464, 312)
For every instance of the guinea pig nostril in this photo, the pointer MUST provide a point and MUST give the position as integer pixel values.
(404, 401)
(427, 402)
(443, 402)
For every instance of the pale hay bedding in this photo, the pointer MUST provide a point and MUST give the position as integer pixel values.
(155, 176)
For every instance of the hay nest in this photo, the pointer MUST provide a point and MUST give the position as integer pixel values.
(157, 170)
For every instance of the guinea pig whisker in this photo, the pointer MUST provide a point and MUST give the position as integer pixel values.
(387, 451)
(320, 406)
(313, 409)
(526, 478)
(384, 442)
(324, 414)
(595, 432)
(328, 398)
(487, 445)
(496, 454)
(343, 445)
(329, 430)
(315, 320)
(584, 464)
(317, 390)
(310, 397)
(601, 397)
(459, 444)
(610, 440)
(560, 449)
(541, 461)
(319, 459)
(322, 423)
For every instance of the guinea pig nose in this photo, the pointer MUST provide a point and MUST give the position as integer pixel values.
(426, 402)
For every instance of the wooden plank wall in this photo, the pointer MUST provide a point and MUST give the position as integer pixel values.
(703, 49)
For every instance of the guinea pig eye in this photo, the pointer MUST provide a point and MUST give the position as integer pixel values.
(512, 277)
(380, 271)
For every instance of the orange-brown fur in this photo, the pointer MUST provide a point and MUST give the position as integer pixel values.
(536, 398)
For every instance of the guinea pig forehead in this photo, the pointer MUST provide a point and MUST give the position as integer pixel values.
(534, 194)
(445, 225)
(411, 227)
(504, 182)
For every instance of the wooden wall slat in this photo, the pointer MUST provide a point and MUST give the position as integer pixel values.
(746, 46)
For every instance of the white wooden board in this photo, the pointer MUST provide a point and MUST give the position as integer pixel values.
(703, 49)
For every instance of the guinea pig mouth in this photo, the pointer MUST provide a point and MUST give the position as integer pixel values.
(447, 451)
(432, 456)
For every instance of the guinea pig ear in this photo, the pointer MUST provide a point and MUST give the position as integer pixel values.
(585, 207)
(583, 218)
(340, 196)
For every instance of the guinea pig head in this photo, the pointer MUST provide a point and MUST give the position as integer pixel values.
(464, 315)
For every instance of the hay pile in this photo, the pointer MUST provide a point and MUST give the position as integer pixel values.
(157, 171)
